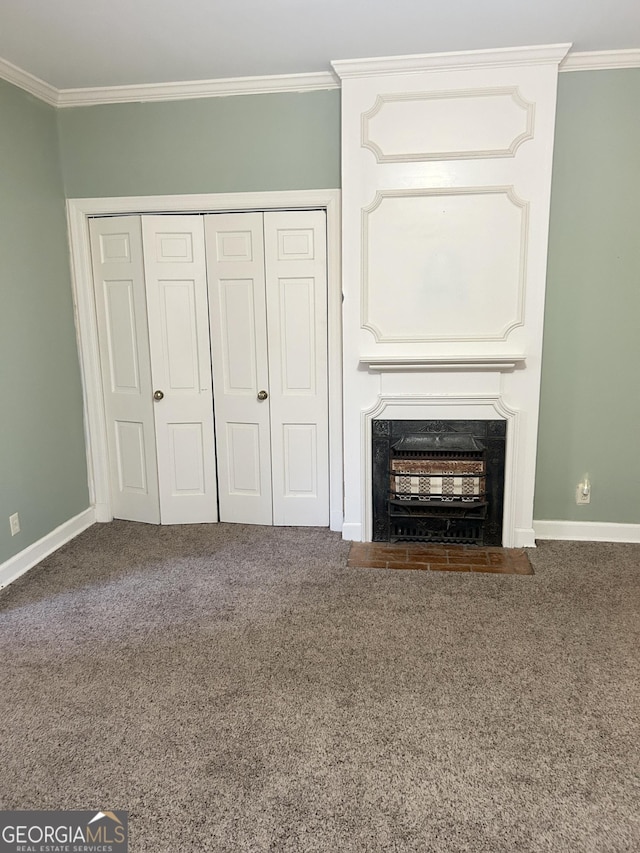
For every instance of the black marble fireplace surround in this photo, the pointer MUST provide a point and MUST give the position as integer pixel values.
(473, 517)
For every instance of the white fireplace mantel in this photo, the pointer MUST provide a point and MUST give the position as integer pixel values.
(446, 165)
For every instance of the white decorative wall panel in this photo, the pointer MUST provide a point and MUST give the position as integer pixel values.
(444, 265)
(446, 176)
(414, 126)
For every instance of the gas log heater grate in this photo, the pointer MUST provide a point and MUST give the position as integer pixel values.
(438, 481)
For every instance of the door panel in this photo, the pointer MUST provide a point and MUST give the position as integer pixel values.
(130, 455)
(296, 288)
(235, 265)
(244, 459)
(121, 312)
(176, 289)
(300, 450)
(297, 336)
(238, 331)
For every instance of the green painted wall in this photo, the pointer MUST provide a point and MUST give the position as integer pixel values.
(590, 405)
(42, 456)
(590, 402)
(292, 141)
(250, 143)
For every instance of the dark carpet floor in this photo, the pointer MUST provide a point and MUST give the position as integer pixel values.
(239, 688)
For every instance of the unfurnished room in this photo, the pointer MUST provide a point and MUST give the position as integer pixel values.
(319, 447)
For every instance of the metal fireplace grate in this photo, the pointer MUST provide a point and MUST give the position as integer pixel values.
(438, 484)
(437, 488)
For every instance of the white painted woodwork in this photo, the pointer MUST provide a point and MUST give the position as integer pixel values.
(121, 313)
(177, 305)
(417, 126)
(238, 320)
(79, 213)
(446, 165)
(268, 304)
(454, 278)
(296, 287)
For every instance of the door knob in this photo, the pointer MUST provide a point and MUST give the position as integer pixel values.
(262, 395)
(158, 395)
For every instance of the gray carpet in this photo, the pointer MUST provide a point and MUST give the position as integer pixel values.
(238, 688)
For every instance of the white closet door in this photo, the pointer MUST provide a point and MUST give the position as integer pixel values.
(118, 275)
(176, 287)
(296, 287)
(235, 262)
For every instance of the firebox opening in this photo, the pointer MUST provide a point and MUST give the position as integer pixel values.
(438, 481)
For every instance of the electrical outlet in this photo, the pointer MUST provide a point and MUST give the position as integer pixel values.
(14, 523)
(583, 493)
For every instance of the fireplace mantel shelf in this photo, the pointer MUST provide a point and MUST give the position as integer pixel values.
(442, 362)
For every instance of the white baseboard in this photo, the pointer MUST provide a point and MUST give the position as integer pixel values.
(352, 532)
(524, 537)
(587, 531)
(335, 521)
(20, 563)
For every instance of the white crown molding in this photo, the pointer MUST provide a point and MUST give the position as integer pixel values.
(459, 60)
(226, 87)
(587, 531)
(601, 60)
(34, 85)
(389, 363)
(315, 81)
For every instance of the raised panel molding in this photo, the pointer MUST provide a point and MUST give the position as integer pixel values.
(173, 248)
(368, 264)
(237, 312)
(418, 127)
(243, 440)
(186, 445)
(114, 248)
(122, 343)
(300, 460)
(178, 320)
(297, 336)
(234, 246)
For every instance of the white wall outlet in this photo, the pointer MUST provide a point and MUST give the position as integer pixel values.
(583, 492)
(14, 523)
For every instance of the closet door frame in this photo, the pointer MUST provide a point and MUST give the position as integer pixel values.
(80, 211)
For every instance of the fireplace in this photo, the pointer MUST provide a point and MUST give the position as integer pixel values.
(438, 481)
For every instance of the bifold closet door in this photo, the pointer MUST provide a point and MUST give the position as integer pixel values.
(235, 265)
(177, 308)
(268, 305)
(152, 313)
(121, 313)
(296, 288)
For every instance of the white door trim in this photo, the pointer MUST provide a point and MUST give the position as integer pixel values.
(79, 210)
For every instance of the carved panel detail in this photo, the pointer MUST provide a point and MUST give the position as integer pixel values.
(460, 124)
(444, 264)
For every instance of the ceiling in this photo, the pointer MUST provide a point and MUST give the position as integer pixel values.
(83, 43)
